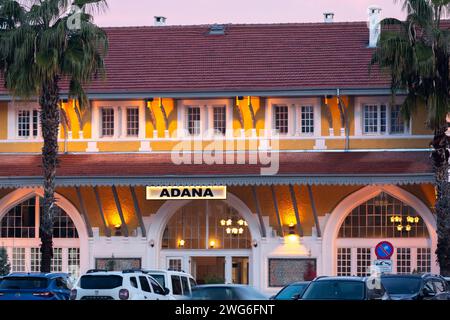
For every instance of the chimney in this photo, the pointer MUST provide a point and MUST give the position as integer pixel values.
(160, 21)
(374, 25)
(328, 17)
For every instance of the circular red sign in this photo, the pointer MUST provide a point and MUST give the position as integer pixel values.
(384, 250)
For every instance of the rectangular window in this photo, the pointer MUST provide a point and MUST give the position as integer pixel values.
(132, 122)
(371, 119)
(219, 121)
(344, 262)
(18, 260)
(174, 264)
(381, 119)
(35, 260)
(107, 122)
(363, 262)
(403, 260)
(423, 260)
(397, 121)
(281, 118)
(73, 261)
(307, 120)
(57, 260)
(28, 123)
(193, 120)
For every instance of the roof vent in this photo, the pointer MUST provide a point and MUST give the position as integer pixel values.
(217, 29)
(160, 21)
(328, 17)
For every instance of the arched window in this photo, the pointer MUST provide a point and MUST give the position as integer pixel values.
(22, 221)
(19, 232)
(206, 225)
(383, 217)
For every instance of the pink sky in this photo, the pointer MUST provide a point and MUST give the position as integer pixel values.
(141, 12)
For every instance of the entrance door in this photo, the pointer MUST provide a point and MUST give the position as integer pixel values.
(240, 270)
(208, 270)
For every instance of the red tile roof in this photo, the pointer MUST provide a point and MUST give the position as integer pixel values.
(248, 57)
(160, 165)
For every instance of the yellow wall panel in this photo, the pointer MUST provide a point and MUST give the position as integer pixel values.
(3, 120)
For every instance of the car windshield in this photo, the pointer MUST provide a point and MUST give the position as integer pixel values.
(335, 290)
(24, 283)
(100, 282)
(160, 278)
(401, 285)
(289, 292)
(213, 293)
(249, 293)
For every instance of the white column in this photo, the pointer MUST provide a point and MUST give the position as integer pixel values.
(228, 269)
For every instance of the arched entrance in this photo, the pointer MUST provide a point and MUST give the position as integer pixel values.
(211, 239)
(20, 213)
(373, 214)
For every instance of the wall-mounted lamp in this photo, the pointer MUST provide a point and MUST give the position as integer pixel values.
(149, 100)
(212, 244)
(181, 243)
(291, 228)
(118, 228)
(152, 243)
(255, 243)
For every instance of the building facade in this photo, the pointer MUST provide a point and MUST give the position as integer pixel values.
(309, 152)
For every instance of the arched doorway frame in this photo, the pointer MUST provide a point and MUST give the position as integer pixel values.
(18, 196)
(159, 220)
(344, 208)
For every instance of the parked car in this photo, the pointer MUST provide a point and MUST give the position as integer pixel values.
(344, 288)
(35, 286)
(416, 287)
(446, 279)
(293, 291)
(179, 283)
(226, 292)
(116, 285)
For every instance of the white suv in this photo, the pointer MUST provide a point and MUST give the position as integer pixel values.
(179, 283)
(116, 285)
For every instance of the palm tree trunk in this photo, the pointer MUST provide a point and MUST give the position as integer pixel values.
(50, 129)
(440, 157)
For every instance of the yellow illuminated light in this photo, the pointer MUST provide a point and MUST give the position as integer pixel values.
(223, 222)
(181, 243)
(408, 228)
(399, 227)
(212, 244)
(228, 230)
(229, 222)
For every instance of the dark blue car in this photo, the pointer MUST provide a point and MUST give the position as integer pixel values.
(35, 286)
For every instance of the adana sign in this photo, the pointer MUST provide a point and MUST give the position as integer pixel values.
(183, 193)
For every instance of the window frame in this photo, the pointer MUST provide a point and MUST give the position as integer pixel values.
(206, 106)
(294, 117)
(120, 120)
(361, 102)
(14, 108)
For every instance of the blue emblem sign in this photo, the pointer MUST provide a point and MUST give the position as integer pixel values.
(384, 250)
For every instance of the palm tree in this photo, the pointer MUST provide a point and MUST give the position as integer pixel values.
(43, 43)
(416, 54)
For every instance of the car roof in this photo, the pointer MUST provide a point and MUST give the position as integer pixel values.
(37, 275)
(298, 282)
(222, 286)
(413, 275)
(347, 278)
(168, 272)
